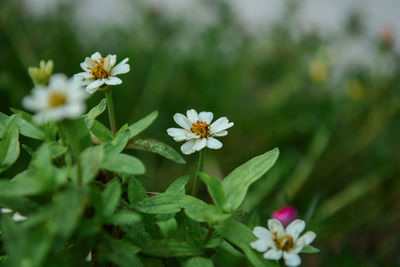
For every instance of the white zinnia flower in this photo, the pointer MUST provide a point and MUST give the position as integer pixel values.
(277, 241)
(100, 71)
(197, 130)
(62, 98)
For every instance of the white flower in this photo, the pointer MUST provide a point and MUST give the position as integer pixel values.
(100, 71)
(197, 130)
(18, 217)
(277, 241)
(5, 210)
(62, 98)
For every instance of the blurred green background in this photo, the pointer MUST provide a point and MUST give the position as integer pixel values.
(329, 101)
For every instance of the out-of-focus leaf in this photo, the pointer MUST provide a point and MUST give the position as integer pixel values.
(215, 189)
(239, 180)
(160, 204)
(168, 227)
(124, 217)
(136, 191)
(309, 249)
(241, 236)
(101, 131)
(178, 186)
(142, 124)
(119, 252)
(9, 144)
(122, 163)
(28, 129)
(198, 262)
(76, 130)
(91, 160)
(118, 143)
(19, 204)
(110, 198)
(158, 147)
(170, 248)
(91, 116)
(56, 149)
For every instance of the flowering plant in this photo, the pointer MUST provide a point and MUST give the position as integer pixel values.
(83, 196)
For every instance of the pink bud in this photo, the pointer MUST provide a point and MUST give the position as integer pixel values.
(285, 215)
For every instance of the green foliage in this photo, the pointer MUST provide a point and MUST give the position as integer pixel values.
(142, 124)
(123, 164)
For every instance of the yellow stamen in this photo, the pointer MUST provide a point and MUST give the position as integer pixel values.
(201, 129)
(57, 99)
(284, 243)
(99, 72)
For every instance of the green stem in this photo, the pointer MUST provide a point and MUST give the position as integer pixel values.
(110, 108)
(196, 177)
(68, 159)
(75, 147)
(209, 234)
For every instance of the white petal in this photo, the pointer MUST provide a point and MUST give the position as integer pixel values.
(273, 254)
(275, 226)
(213, 143)
(206, 116)
(84, 66)
(221, 133)
(121, 68)
(187, 148)
(291, 259)
(192, 115)
(83, 75)
(96, 56)
(18, 217)
(182, 121)
(306, 239)
(262, 233)
(89, 256)
(220, 125)
(261, 245)
(5, 210)
(113, 81)
(89, 63)
(93, 86)
(109, 62)
(177, 133)
(200, 144)
(295, 228)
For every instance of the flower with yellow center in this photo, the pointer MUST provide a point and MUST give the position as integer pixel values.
(62, 99)
(198, 131)
(100, 72)
(277, 242)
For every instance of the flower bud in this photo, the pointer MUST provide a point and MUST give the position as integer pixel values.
(41, 75)
(285, 215)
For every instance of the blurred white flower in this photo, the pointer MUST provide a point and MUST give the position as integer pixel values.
(63, 98)
(278, 242)
(5, 210)
(198, 130)
(18, 217)
(101, 71)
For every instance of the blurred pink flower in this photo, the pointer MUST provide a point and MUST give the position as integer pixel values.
(285, 215)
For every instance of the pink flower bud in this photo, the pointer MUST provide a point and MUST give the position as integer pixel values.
(285, 215)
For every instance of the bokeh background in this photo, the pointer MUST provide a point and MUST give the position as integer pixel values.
(319, 79)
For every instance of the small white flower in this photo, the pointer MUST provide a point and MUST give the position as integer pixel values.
(198, 130)
(63, 98)
(5, 210)
(18, 217)
(278, 242)
(101, 71)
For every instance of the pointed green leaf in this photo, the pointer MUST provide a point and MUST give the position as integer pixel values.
(215, 189)
(142, 124)
(309, 249)
(168, 227)
(118, 143)
(91, 160)
(9, 144)
(56, 149)
(160, 204)
(170, 248)
(122, 163)
(28, 129)
(178, 186)
(94, 113)
(158, 147)
(136, 191)
(101, 131)
(239, 180)
(198, 262)
(124, 218)
(110, 198)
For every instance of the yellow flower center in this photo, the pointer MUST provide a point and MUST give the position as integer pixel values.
(284, 243)
(57, 99)
(99, 72)
(201, 129)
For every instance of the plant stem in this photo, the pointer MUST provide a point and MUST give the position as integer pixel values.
(68, 159)
(196, 177)
(110, 108)
(75, 147)
(209, 234)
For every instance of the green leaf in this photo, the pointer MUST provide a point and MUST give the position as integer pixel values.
(118, 143)
(239, 180)
(77, 133)
(241, 236)
(124, 217)
(19, 204)
(309, 249)
(136, 191)
(119, 252)
(215, 189)
(110, 198)
(101, 131)
(158, 147)
(30, 130)
(168, 227)
(91, 116)
(142, 124)
(198, 262)
(160, 204)
(122, 163)
(9, 144)
(91, 160)
(170, 248)
(56, 149)
(178, 186)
